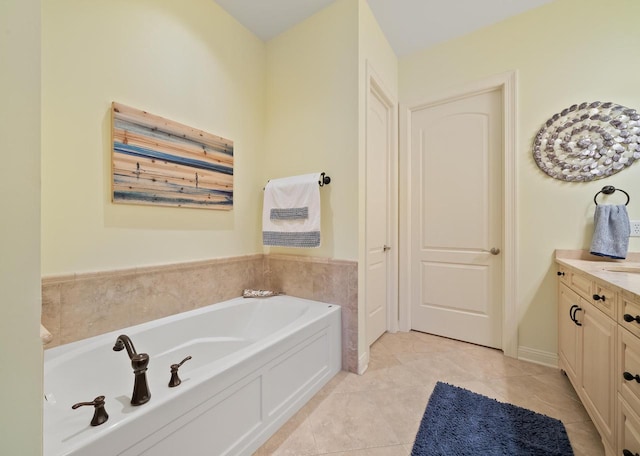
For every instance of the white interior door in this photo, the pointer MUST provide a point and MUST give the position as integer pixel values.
(456, 212)
(379, 147)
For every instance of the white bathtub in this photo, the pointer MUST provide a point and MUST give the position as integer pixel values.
(255, 363)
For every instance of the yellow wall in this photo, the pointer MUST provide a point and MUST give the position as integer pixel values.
(312, 118)
(20, 347)
(566, 52)
(186, 61)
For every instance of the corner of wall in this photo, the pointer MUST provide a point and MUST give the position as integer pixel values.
(20, 141)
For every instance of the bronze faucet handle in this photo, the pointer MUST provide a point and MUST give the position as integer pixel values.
(175, 380)
(100, 415)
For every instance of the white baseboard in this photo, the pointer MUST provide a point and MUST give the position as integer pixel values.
(363, 362)
(538, 356)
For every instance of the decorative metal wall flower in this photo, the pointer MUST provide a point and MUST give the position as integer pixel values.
(588, 141)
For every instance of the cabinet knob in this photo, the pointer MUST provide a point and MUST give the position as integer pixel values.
(629, 318)
(628, 376)
(599, 298)
(560, 273)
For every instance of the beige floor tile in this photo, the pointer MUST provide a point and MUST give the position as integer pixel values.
(295, 438)
(395, 450)
(405, 344)
(585, 439)
(403, 409)
(485, 364)
(532, 393)
(379, 349)
(436, 366)
(381, 357)
(378, 413)
(389, 377)
(350, 421)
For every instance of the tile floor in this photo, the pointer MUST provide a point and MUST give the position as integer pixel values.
(378, 413)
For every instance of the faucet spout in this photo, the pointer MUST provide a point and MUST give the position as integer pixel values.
(139, 363)
(122, 342)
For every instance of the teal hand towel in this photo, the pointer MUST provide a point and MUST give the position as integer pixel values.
(611, 231)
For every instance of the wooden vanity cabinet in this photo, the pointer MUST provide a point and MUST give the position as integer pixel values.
(587, 351)
(599, 349)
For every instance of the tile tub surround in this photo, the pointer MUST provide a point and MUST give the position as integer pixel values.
(78, 306)
(321, 279)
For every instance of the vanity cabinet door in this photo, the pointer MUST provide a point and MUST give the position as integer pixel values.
(598, 385)
(628, 429)
(569, 333)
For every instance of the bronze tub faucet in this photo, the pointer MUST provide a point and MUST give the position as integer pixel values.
(139, 363)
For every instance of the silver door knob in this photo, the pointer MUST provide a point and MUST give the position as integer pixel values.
(494, 251)
(385, 248)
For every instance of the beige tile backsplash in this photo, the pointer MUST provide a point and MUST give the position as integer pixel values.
(321, 279)
(77, 306)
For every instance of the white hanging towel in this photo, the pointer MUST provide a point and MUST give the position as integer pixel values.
(291, 211)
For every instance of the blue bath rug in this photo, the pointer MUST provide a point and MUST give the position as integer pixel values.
(458, 422)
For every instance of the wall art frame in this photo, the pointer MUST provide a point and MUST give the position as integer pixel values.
(156, 161)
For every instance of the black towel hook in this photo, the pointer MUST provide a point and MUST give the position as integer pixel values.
(608, 190)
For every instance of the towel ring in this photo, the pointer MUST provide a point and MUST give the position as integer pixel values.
(608, 190)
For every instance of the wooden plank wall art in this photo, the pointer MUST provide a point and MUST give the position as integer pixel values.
(161, 162)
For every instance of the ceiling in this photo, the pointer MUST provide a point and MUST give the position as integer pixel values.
(410, 25)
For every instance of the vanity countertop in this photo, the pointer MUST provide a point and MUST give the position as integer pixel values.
(624, 275)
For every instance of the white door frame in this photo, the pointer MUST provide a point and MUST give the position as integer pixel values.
(375, 86)
(507, 84)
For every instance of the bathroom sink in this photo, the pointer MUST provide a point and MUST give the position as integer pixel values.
(635, 269)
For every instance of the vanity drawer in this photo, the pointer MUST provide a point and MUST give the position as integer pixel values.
(628, 429)
(604, 298)
(577, 282)
(629, 367)
(629, 310)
